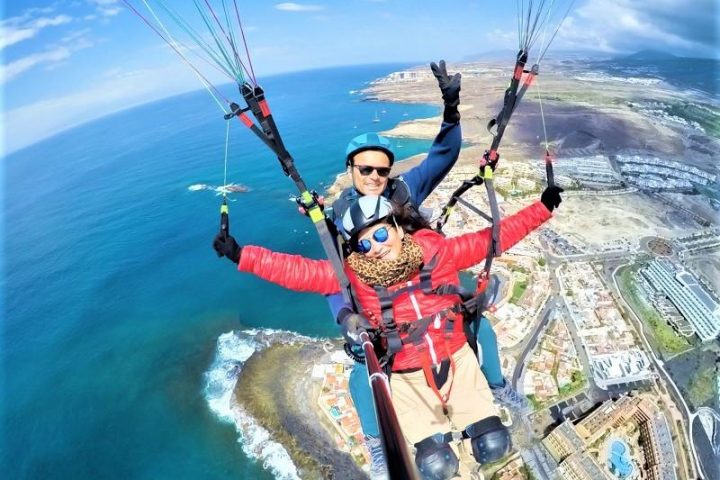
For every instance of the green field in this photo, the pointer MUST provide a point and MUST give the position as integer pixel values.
(518, 290)
(669, 342)
(578, 384)
(706, 116)
(536, 405)
(702, 386)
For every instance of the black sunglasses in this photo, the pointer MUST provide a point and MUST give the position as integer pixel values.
(366, 170)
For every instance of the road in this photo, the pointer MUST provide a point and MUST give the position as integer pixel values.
(530, 345)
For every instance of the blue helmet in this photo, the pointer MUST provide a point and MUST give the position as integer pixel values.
(369, 141)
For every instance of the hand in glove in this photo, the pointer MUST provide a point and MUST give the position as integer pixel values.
(450, 88)
(551, 197)
(226, 246)
(352, 325)
(303, 211)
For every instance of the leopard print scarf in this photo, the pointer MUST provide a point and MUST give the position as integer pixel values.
(374, 271)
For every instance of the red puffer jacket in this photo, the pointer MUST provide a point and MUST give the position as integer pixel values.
(452, 255)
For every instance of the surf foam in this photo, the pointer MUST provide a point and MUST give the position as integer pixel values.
(232, 351)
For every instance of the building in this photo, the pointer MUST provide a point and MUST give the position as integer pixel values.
(580, 466)
(656, 440)
(653, 173)
(620, 367)
(570, 444)
(563, 441)
(608, 415)
(513, 470)
(592, 171)
(689, 298)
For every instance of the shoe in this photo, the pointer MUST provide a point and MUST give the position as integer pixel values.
(510, 398)
(378, 467)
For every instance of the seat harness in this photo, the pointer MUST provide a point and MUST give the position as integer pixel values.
(414, 333)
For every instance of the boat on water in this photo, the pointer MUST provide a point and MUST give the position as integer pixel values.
(376, 119)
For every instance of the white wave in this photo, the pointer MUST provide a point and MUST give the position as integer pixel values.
(230, 188)
(233, 350)
(219, 190)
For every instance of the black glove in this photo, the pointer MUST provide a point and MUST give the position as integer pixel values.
(352, 325)
(551, 197)
(450, 88)
(226, 246)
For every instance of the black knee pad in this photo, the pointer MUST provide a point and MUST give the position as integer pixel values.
(490, 440)
(435, 459)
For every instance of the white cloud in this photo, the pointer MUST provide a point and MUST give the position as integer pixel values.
(112, 91)
(296, 7)
(16, 29)
(76, 35)
(502, 38)
(51, 58)
(13, 69)
(106, 8)
(627, 25)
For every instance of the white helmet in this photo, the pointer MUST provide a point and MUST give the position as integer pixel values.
(366, 211)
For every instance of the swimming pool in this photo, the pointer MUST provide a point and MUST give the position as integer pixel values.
(619, 459)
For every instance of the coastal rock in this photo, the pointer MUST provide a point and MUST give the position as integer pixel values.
(275, 389)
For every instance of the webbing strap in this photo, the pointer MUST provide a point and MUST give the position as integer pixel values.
(270, 135)
(430, 379)
(488, 162)
(389, 330)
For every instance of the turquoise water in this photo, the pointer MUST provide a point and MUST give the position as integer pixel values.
(115, 299)
(619, 459)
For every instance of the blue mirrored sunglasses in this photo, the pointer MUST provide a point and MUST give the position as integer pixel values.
(380, 235)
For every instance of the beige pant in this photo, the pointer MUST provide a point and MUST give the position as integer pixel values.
(420, 412)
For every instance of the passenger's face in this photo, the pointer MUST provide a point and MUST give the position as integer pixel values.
(384, 241)
(372, 183)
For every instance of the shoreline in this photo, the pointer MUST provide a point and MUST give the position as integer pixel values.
(277, 390)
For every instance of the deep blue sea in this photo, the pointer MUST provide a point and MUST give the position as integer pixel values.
(115, 298)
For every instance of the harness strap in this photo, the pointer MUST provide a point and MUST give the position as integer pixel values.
(474, 429)
(270, 135)
(389, 327)
(415, 331)
(430, 379)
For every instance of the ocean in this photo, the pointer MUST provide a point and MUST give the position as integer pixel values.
(116, 351)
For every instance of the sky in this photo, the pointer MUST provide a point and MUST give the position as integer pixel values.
(65, 62)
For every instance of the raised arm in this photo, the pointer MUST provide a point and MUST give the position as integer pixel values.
(445, 149)
(443, 154)
(290, 271)
(471, 248)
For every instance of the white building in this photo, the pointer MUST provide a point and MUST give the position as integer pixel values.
(689, 298)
